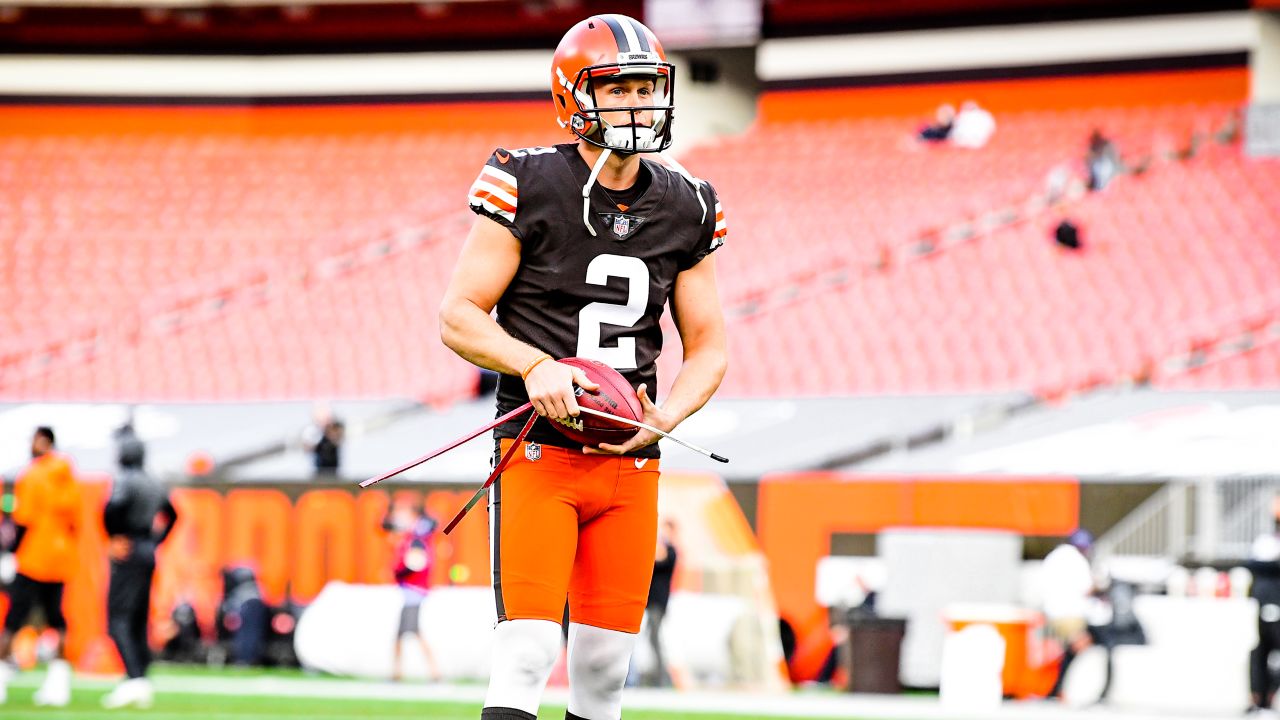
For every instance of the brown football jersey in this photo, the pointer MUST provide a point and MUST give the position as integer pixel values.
(598, 297)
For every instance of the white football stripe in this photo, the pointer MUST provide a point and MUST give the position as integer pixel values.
(630, 32)
(510, 216)
(502, 175)
(482, 185)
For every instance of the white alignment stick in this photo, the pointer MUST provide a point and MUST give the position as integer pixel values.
(652, 429)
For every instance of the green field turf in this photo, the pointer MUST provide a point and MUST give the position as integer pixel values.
(192, 706)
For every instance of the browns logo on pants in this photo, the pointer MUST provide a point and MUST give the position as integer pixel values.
(572, 524)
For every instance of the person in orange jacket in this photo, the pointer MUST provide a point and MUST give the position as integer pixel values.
(46, 514)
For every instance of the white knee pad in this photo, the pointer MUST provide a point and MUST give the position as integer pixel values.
(524, 653)
(598, 661)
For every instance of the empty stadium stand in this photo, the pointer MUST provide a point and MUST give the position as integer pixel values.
(208, 254)
(1175, 258)
(303, 252)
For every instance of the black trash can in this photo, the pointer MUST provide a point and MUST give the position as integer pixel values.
(875, 647)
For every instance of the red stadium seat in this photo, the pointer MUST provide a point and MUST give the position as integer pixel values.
(243, 265)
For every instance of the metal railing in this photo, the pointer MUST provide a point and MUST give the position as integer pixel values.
(1156, 528)
(1248, 511)
(1206, 519)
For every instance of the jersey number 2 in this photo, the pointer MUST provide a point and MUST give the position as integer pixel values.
(636, 273)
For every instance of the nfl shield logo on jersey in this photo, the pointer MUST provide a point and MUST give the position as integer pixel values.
(532, 452)
(621, 225)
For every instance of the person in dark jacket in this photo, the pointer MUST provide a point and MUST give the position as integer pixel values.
(327, 450)
(138, 517)
(664, 567)
(1264, 564)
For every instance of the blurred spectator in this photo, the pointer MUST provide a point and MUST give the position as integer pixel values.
(184, 642)
(242, 616)
(664, 568)
(1066, 586)
(1102, 161)
(940, 129)
(1123, 627)
(328, 450)
(138, 517)
(1067, 235)
(1264, 564)
(414, 561)
(46, 516)
(323, 439)
(973, 126)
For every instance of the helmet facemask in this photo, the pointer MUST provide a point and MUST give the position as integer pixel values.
(589, 124)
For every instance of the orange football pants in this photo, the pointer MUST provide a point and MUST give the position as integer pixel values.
(565, 524)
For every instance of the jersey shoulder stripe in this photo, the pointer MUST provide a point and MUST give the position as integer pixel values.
(496, 191)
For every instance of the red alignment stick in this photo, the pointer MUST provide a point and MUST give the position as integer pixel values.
(497, 470)
(447, 448)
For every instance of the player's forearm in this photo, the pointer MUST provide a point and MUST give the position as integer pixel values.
(476, 337)
(697, 381)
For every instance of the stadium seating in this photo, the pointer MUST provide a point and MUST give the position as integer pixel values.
(241, 239)
(253, 265)
(1173, 259)
(839, 192)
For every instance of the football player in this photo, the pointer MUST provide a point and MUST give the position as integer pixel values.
(578, 247)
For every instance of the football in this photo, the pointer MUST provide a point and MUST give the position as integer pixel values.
(615, 397)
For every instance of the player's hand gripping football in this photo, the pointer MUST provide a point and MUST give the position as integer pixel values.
(550, 387)
(653, 415)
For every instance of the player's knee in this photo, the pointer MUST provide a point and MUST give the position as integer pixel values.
(524, 653)
(600, 665)
(528, 650)
(531, 663)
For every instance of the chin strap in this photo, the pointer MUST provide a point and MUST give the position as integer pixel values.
(586, 189)
(695, 182)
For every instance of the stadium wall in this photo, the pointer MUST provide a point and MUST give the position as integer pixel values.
(1210, 85)
(299, 537)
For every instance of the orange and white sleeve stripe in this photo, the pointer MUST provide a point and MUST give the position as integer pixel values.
(722, 230)
(495, 191)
